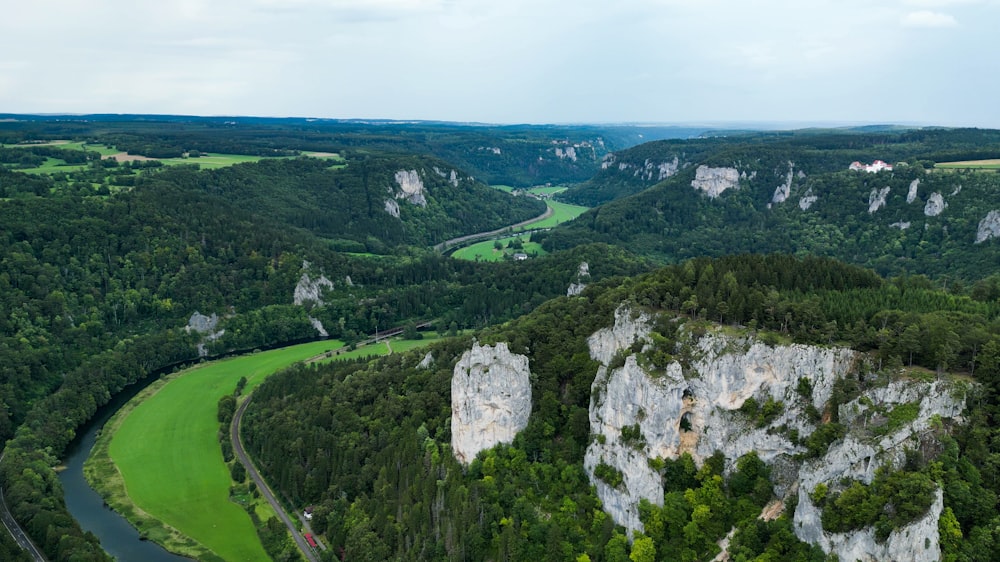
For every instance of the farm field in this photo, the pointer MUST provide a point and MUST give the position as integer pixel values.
(486, 250)
(169, 458)
(993, 164)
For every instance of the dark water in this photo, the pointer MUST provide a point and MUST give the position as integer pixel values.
(118, 537)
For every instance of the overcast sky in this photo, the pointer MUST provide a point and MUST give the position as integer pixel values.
(509, 61)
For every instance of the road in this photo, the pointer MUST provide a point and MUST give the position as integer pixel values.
(265, 490)
(455, 241)
(16, 531)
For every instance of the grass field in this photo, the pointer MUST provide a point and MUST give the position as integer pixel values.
(562, 212)
(159, 462)
(548, 189)
(970, 165)
(166, 450)
(208, 161)
(485, 250)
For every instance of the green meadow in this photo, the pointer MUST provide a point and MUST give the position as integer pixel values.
(561, 212)
(165, 447)
(159, 462)
(486, 250)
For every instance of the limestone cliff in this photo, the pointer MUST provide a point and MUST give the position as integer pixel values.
(490, 399)
(989, 227)
(694, 406)
(876, 199)
(713, 181)
(411, 187)
(935, 205)
(310, 289)
(782, 192)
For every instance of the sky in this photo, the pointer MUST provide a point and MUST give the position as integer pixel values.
(915, 62)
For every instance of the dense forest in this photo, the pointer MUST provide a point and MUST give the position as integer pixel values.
(102, 263)
(367, 444)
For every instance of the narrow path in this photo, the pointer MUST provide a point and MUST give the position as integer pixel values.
(455, 241)
(15, 530)
(234, 435)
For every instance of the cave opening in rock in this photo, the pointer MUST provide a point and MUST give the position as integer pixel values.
(685, 423)
(686, 395)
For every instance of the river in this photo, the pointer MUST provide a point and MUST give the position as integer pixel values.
(118, 537)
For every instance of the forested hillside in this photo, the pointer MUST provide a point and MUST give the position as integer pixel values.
(800, 197)
(632, 170)
(365, 202)
(367, 444)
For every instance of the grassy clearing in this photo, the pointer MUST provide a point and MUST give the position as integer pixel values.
(506, 188)
(158, 461)
(486, 250)
(212, 160)
(164, 448)
(548, 189)
(993, 164)
(562, 212)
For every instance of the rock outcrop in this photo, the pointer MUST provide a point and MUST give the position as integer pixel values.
(858, 459)
(490, 399)
(205, 325)
(694, 406)
(201, 323)
(582, 276)
(876, 199)
(989, 227)
(310, 289)
(935, 205)
(713, 181)
(392, 207)
(782, 192)
(411, 187)
(911, 195)
(807, 200)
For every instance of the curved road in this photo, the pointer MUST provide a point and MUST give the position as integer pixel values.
(454, 241)
(234, 433)
(16, 531)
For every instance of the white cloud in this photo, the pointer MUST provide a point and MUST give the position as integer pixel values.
(927, 18)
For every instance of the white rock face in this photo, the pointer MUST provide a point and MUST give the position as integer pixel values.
(204, 325)
(453, 178)
(582, 276)
(713, 181)
(989, 227)
(876, 199)
(728, 373)
(607, 160)
(319, 327)
(911, 195)
(807, 200)
(859, 460)
(411, 187)
(309, 289)
(490, 399)
(724, 372)
(782, 192)
(392, 207)
(427, 361)
(901, 225)
(935, 205)
(201, 323)
(493, 149)
(569, 153)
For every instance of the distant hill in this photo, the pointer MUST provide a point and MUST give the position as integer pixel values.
(634, 169)
(518, 155)
(773, 194)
